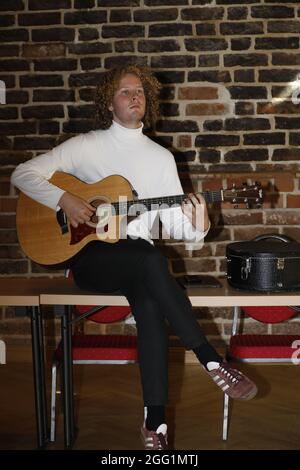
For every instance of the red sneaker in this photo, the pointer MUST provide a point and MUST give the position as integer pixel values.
(155, 440)
(233, 382)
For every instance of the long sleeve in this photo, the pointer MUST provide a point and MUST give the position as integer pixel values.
(32, 177)
(175, 222)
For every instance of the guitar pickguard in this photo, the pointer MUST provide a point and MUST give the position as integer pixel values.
(82, 231)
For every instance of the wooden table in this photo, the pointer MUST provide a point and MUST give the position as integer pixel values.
(64, 292)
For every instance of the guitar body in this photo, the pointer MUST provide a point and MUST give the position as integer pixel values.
(40, 234)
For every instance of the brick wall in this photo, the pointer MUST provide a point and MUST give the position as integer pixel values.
(228, 68)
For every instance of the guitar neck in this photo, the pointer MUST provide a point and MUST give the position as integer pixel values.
(165, 202)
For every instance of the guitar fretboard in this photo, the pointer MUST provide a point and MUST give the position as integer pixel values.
(165, 202)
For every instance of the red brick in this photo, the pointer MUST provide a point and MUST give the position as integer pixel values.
(44, 50)
(12, 252)
(236, 182)
(8, 204)
(194, 265)
(273, 201)
(218, 234)
(14, 267)
(293, 200)
(284, 182)
(174, 251)
(7, 221)
(249, 327)
(212, 184)
(211, 328)
(212, 313)
(283, 218)
(293, 232)
(242, 218)
(287, 328)
(220, 249)
(8, 236)
(15, 327)
(248, 233)
(4, 188)
(184, 141)
(206, 250)
(198, 93)
(223, 266)
(230, 205)
(206, 109)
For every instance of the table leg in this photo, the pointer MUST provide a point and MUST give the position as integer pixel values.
(39, 375)
(67, 378)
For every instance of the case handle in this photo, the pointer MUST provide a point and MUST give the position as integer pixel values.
(275, 236)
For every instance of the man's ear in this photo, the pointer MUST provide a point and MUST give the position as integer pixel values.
(110, 107)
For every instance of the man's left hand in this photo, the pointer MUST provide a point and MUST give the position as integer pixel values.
(194, 207)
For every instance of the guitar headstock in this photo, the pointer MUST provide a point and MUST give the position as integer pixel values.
(251, 195)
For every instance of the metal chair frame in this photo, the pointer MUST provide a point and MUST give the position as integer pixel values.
(56, 363)
(226, 399)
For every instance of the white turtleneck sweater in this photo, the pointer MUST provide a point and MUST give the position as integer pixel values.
(90, 157)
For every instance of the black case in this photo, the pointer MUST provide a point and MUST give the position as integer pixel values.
(269, 263)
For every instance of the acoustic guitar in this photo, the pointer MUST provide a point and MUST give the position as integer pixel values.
(48, 238)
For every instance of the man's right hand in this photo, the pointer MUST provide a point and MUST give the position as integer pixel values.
(77, 210)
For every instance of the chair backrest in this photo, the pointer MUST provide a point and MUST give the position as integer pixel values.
(109, 314)
(276, 314)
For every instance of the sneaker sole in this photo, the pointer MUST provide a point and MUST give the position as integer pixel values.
(250, 395)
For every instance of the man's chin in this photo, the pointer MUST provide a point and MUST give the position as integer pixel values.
(137, 114)
(137, 110)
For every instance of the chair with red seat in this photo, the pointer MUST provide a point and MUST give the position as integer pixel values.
(260, 347)
(96, 349)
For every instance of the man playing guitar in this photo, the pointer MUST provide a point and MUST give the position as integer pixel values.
(127, 100)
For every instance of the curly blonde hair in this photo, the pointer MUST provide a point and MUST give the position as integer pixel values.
(109, 84)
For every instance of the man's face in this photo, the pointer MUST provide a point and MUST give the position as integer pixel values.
(129, 103)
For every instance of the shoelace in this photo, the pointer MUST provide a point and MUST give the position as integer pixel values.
(233, 376)
(158, 441)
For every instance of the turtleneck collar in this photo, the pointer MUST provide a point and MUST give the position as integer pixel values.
(124, 133)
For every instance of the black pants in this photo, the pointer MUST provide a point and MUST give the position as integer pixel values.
(140, 272)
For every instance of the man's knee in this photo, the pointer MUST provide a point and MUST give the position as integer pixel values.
(154, 261)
